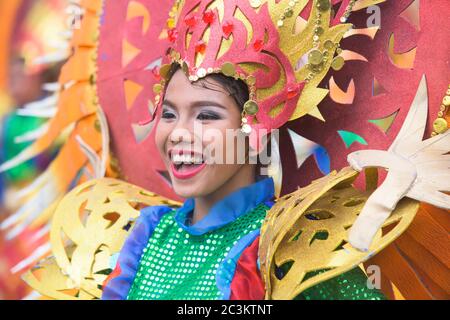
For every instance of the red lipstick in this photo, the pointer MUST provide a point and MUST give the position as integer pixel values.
(186, 173)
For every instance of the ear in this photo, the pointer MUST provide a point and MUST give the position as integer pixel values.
(262, 149)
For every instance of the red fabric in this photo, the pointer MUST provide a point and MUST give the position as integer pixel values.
(247, 283)
(112, 275)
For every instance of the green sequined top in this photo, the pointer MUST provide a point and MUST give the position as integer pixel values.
(176, 265)
(351, 285)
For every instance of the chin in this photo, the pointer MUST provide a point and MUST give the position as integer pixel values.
(189, 190)
(210, 180)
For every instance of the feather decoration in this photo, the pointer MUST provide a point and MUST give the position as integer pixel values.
(72, 105)
(416, 169)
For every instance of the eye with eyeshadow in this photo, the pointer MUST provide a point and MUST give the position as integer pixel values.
(168, 114)
(206, 115)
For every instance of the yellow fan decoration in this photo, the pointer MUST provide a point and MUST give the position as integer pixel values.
(89, 225)
(307, 231)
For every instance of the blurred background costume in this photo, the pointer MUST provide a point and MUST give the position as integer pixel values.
(333, 86)
(32, 50)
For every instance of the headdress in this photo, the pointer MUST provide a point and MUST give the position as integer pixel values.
(267, 44)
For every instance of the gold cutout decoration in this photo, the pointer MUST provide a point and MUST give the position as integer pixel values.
(90, 224)
(305, 233)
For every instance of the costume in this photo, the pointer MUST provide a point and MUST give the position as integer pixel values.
(31, 32)
(224, 233)
(229, 230)
(283, 50)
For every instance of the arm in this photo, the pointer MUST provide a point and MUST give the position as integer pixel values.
(247, 283)
(118, 284)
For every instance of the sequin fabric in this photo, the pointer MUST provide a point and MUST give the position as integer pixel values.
(351, 285)
(176, 265)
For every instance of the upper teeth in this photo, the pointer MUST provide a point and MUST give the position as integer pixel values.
(186, 158)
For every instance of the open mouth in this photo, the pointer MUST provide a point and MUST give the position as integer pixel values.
(186, 165)
(185, 162)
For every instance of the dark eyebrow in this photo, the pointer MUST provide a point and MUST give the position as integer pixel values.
(196, 104)
(169, 103)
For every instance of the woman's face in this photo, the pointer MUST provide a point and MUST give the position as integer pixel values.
(194, 121)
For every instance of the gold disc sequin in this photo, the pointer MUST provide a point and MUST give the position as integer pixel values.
(337, 63)
(446, 101)
(164, 71)
(315, 57)
(329, 45)
(157, 88)
(440, 125)
(251, 107)
(323, 5)
(228, 69)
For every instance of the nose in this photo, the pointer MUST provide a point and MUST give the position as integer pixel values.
(182, 133)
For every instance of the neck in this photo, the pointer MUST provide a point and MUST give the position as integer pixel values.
(243, 177)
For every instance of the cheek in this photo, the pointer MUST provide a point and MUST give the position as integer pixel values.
(161, 135)
(232, 146)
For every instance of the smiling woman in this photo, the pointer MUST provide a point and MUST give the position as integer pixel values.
(225, 206)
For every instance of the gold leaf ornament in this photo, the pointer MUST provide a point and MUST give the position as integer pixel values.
(305, 234)
(90, 224)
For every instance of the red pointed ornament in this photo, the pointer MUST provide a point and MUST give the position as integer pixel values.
(191, 21)
(172, 35)
(227, 29)
(292, 91)
(200, 47)
(208, 17)
(258, 45)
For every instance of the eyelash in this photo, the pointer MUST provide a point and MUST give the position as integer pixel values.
(208, 116)
(167, 115)
(202, 116)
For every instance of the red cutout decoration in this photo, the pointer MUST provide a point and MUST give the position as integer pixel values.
(227, 28)
(208, 17)
(292, 91)
(172, 35)
(258, 45)
(191, 21)
(200, 47)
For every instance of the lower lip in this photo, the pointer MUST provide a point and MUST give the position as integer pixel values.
(186, 174)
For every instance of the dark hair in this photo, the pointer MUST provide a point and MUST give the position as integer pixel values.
(237, 88)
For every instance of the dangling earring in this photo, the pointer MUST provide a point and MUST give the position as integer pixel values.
(251, 109)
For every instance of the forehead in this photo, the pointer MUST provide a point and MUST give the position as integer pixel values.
(180, 88)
